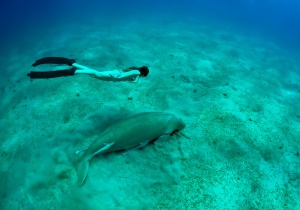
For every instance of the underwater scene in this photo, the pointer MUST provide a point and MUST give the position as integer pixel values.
(110, 104)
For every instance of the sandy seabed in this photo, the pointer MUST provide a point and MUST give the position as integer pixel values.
(238, 94)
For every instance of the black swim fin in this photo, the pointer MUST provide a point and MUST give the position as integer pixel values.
(54, 60)
(51, 74)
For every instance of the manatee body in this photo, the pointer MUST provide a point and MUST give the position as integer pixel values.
(133, 132)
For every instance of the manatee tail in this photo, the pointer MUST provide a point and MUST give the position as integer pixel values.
(82, 168)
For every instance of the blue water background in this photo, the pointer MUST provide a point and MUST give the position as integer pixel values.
(23, 23)
(280, 17)
(278, 20)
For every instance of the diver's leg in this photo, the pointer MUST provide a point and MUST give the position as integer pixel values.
(102, 75)
(89, 71)
(79, 66)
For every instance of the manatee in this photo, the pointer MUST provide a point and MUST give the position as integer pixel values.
(131, 133)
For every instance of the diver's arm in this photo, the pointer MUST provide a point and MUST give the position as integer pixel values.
(129, 76)
(136, 80)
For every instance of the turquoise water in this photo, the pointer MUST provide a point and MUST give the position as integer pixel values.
(229, 69)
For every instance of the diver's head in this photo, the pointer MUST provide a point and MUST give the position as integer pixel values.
(144, 71)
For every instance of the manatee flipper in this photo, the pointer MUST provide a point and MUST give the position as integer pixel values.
(106, 147)
(143, 144)
(140, 146)
(83, 165)
(54, 60)
(80, 150)
(163, 137)
(82, 169)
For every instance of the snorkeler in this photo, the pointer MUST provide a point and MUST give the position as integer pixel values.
(129, 74)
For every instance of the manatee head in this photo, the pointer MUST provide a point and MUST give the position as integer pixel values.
(178, 124)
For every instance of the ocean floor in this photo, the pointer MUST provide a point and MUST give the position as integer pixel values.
(237, 93)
